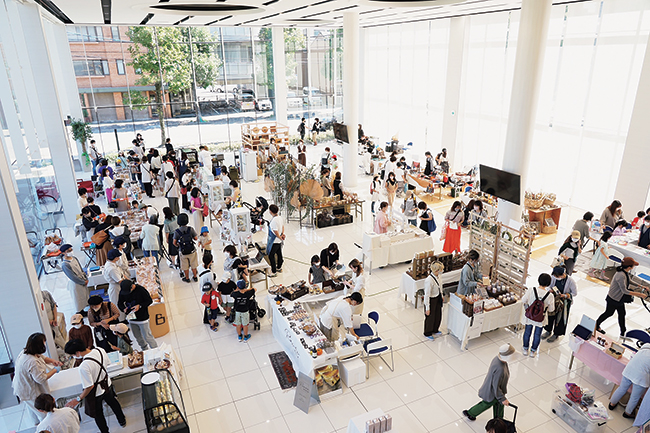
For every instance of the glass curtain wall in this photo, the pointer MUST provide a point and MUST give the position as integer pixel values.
(198, 85)
(404, 83)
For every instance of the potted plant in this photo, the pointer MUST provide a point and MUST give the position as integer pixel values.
(82, 132)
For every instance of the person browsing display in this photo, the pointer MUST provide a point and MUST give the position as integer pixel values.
(470, 275)
(433, 301)
(357, 284)
(317, 272)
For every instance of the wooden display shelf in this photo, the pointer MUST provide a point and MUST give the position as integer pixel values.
(258, 135)
(544, 216)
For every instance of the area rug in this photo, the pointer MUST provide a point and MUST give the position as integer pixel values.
(283, 370)
(583, 264)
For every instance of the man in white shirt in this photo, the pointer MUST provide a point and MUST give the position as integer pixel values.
(339, 311)
(205, 157)
(172, 192)
(326, 159)
(93, 370)
(274, 242)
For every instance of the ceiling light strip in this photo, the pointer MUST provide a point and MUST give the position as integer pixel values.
(146, 19)
(270, 2)
(220, 19)
(55, 11)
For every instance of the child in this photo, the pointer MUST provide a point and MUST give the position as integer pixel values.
(205, 272)
(226, 287)
(211, 299)
(242, 300)
(205, 241)
(123, 341)
(599, 260)
(620, 228)
(82, 201)
(317, 273)
(637, 222)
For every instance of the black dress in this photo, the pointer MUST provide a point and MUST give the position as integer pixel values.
(338, 192)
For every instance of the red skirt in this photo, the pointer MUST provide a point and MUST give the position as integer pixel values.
(452, 240)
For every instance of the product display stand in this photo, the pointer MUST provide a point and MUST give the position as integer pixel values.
(147, 275)
(236, 226)
(248, 158)
(162, 401)
(258, 135)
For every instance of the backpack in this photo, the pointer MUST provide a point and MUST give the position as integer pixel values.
(535, 311)
(186, 241)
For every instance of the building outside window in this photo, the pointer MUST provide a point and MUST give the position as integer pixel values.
(120, 67)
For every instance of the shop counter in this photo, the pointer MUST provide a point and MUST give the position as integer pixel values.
(593, 356)
(96, 277)
(290, 340)
(466, 328)
(409, 287)
(395, 247)
(67, 383)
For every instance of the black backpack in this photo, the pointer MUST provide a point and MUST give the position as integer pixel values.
(186, 240)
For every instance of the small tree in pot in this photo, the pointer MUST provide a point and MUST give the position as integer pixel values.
(82, 132)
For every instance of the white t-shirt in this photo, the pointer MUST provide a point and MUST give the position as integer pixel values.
(146, 172)
(172, 189)
(277, 226)
(638, 369)
(90, 370)
(82, 202)
(206, 159)
(64, 420)
(138, 151)
(529, 298)
(399, 174)
(337, 308)
(389, 167)
(207, 277)
(107, 183)
(166, 167)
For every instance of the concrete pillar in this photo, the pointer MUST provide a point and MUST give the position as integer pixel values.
(633, 185)
(531, 45)
(279, 75)
(456, 53)
(57, 137)
(22, 310)
(351, 84)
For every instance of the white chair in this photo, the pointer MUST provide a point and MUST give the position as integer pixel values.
(376, 347)
(615, 258)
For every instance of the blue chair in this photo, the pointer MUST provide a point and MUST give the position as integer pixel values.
(615, 259)
(377, 347)
(639, 335)
(367, 331)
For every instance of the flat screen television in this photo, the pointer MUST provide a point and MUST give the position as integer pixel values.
(340, 132)
(506, 186)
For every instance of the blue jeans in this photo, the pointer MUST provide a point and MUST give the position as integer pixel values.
(635, 396)
(536, 337)
(94, 162)
(151, 253)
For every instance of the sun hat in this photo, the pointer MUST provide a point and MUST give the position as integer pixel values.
(76, 319)
(505, 352)
(119, 327)
(575, 234)
(205, 229)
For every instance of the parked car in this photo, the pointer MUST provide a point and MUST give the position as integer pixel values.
(245, 101)
(263, 104)
(293, 101)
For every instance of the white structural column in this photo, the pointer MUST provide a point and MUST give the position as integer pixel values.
(351, 86)
(21, 310)
(455, 56)
(279, 75)
(632, 187)
(41, 63)
(531, 45)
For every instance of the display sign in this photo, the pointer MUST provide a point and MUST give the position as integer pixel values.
(305, 391)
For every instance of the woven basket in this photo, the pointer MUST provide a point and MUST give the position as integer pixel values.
(547, 230)
(548, 202)
(533, 204)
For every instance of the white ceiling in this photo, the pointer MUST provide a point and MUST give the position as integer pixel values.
(285, 13)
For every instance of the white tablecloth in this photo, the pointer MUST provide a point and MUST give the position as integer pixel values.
(381, 251)
(409, 287)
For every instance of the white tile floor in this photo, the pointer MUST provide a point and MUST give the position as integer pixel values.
(230, 387)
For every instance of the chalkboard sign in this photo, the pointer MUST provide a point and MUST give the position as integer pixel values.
(305, 391)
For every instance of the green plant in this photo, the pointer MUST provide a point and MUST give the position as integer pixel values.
(82, 132)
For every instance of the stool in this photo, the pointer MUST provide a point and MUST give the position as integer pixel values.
(352, 372)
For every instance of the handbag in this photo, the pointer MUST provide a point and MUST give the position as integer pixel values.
(557, 261)
(99, 238)
(443, 235)
(628, 299)
(206, 211)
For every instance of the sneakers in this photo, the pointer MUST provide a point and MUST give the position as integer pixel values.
(187, 280)
(468, 416)
(247, 337)
(239, 337)
(195, 279)
(430, 337)
(601, 330)
(545, 335)
(273, 275)
(552, 338)
(279, 270)
(524, 351)
(533, 353)
(437, 333)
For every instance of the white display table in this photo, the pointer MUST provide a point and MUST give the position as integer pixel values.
(290, 341)
(409, 287)
(466, 328)
(383, 249)
(358, 423)
(96, 278)
(67, 383)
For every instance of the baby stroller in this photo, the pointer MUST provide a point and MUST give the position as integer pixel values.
(255, 314)
(257, 212)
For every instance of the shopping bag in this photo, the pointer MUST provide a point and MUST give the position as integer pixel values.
(443, 235)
